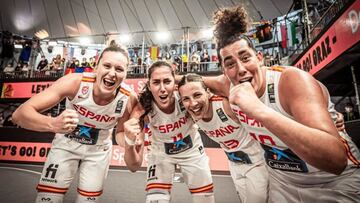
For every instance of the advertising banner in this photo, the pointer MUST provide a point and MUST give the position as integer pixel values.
(24, 90)
(341, 36)
(21, 90)
(37, 152)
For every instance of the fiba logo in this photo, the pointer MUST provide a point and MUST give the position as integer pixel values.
(51, 170)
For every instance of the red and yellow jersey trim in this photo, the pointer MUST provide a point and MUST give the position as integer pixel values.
(88, 79)
(277, 68)
(164, 186)
(51, 189)
(89, 194)
(207, 188)
(216, 98)
(349, 154)
(124, 91)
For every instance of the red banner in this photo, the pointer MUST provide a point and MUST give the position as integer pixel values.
(341, 36)
(136, 84)
(37, 152)
(19, 90)
(24, 90)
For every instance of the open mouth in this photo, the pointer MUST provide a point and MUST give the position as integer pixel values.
(108, 82)
(245, 80)
(163, 98)
(196, 111)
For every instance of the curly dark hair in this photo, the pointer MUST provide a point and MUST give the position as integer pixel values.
(145, 96)
(231, 25)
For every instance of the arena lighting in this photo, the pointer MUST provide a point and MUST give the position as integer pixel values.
(162, 36)
(124, 38)
(18, 46)
(52, 43)
(41, 34)
(208, 33)
(61, 42)
(84, 41)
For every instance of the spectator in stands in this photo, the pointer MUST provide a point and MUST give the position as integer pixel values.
(195, 61)
(175, 67)
(9, 69)
(349, 113)
(57, 63)
(25, 70)
(78, 67)
(84, 63)
(42, 64)
(72, 63)
(205, 59)
(2, 119)
(8, 121)
(184, 60)
(7, 51)
(92, 62)
(18, 67)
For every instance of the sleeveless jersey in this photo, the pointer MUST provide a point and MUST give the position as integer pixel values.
(104, 118)
(278, 156)
(174, 134)
(230, 135)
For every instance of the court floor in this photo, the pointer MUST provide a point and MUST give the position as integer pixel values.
(18, 183)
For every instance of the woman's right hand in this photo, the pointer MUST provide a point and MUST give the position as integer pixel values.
(66, 122)
(132, 130)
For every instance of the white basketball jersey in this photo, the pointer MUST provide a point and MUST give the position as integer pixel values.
(172, 133)
(277, 154)
(230, 135)
(96, 116)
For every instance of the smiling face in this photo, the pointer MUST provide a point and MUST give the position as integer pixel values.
(241, 63)
(111, 71)
(162, 86)
(195, 100)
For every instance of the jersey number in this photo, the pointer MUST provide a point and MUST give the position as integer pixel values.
(263, 139)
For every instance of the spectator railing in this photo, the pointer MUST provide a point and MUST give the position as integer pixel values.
(134, 71)
(202, 68)
(329, 15)
(31, 74)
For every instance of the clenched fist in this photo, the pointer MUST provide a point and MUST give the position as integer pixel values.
(132, 130)
(243, 95)
(66, 122)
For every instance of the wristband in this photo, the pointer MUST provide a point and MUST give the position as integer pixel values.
(128, 141)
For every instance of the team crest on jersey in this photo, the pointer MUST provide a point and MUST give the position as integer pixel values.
(85, 89)
(119, 106)
(221, 115)
(271, 92)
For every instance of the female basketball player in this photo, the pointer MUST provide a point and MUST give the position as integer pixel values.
(215, 117)
(289, 112)
(95, 103)
(174, 140)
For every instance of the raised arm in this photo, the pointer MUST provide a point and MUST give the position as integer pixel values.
(129, 126)
(218, 85)
(311, 134)
(29, 116)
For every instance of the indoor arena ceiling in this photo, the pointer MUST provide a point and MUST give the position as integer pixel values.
(95, 18)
